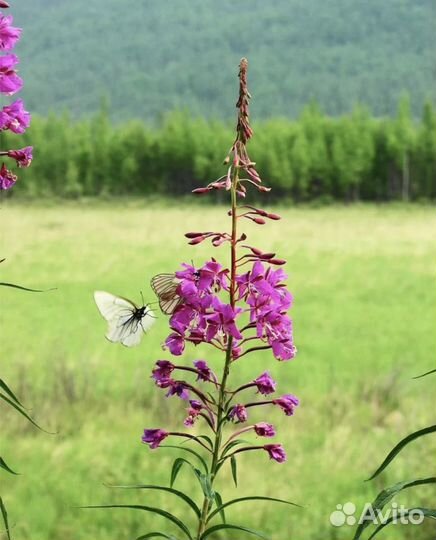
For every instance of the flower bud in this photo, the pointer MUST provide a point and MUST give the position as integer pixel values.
(201, 190)
(277, 262)
(196, 240)
(193, 234)
(259, 220)
(275, 217)
(3, 4)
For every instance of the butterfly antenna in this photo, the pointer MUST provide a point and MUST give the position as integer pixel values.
(142, 297)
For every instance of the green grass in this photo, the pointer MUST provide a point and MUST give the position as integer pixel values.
(364, 285)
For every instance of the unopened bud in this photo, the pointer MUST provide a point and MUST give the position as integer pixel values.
(259, 220)
(264, 188)
(193, 234)
(3, 4)
(201, 190)
(196, 240)
(275, 217)
(226, 160)
(267, 256)
(277, 262)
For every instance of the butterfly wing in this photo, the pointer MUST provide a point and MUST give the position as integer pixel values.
(124, 324)
(165, 288)
(113, 307)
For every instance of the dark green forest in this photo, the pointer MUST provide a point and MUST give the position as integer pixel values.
(151, 56)
(316, 157)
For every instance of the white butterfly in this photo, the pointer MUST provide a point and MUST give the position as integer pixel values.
(126, 321)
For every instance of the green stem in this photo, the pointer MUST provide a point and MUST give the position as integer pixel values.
(207, 503)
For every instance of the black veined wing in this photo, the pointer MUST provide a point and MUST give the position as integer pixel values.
(165, 288)
(126, 322)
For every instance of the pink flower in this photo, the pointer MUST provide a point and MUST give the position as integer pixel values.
(10, 83)
(264, 430)
(14, 117)
(9, 35)
(163, 370)
(239, 412)
(193, 412)
(204, 371)
(276, 452)
(23, 157)
(7, 178)
(175, 388)
(265, 384)
(175, 343)
(154, 437)
(287, 403)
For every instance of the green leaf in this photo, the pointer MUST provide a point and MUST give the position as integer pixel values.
(156, 535)
(220, 507)
(5, 466)
(193, 452)
(5, 518)
(232, 444)
(20, 410)
(397, 449)
(25, 288)
(387, 495)
(425, 374)
(427, 512)
(177, 465)
(206, 486)
(179, 494)
(254, 498)
(234, 470)
(235, 527)
(151, 509)
(8, 391)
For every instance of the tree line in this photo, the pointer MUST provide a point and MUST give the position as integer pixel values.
(348, 158)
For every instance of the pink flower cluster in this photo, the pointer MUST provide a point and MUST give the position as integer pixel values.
(202, 317)
(13, 117)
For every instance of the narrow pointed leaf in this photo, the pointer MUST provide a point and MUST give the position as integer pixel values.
(150, 509)
(5, 466)
(179, 494)
(427, 512)
(156, 535)
(177, 465)
(425, 374)
(234, 470)
(25, 288)
(254, 498)
(8, 391)
(222, 526)
(193, 452)
(385, 496)
(397, 449)
(232, 444)
(20, 410)
(220, 507)
(5, 518)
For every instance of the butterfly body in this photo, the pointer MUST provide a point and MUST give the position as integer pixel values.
(127, 323)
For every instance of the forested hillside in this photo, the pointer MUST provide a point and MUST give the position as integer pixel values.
(149, 56)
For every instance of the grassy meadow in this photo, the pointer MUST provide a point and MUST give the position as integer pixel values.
(363, 278)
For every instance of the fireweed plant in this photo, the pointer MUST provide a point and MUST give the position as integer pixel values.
(15, 118)
(237, 310)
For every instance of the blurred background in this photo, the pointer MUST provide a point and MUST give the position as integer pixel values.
(133, 105)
